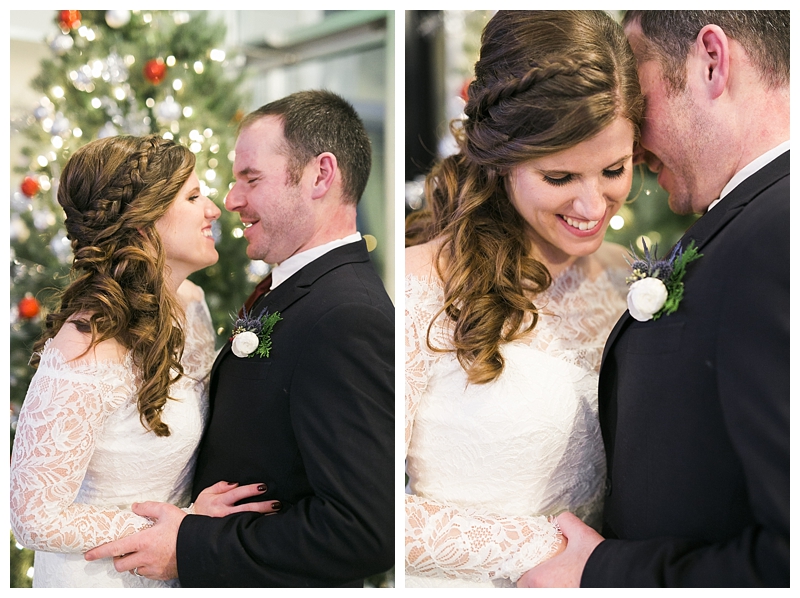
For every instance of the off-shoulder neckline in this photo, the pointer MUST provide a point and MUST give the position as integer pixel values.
(85, 360)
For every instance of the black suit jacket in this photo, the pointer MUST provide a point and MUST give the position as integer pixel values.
(694, 409)
(315, 422)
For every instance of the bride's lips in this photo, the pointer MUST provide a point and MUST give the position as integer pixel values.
(580, 227)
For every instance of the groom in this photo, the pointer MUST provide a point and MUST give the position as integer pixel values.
(314, 420)
(694, 406)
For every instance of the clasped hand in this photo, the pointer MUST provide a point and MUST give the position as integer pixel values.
(151, 552)
(565, 569)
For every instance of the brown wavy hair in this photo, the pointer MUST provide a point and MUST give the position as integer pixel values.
(545, 82)
(113, 191)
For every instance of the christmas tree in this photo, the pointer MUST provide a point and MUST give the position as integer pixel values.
(120, 72)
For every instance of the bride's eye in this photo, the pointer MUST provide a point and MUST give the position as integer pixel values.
(615, 173)
(558, 181)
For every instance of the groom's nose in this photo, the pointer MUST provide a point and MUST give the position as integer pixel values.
(233, 200)
(649, 159)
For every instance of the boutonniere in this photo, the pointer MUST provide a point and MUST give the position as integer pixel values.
(251, 335)
(656, 286)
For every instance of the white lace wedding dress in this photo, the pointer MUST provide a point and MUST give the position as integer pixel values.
(488, 463)
(81, 457)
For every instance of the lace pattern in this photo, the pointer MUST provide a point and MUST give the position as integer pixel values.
(488, 464)
(81, 455)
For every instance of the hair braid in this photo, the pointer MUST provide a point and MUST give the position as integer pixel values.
(545, 81)
(113, 191)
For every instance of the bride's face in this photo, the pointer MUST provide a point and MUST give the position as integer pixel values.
(567, 199)
(185, 230)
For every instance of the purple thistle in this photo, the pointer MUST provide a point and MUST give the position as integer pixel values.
(662, 269)
(650, 265)
(248, 321)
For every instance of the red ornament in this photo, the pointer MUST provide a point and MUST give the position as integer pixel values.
(30, 186)
(463, 93)
(155, 70)
(70, 19)
(28, 307)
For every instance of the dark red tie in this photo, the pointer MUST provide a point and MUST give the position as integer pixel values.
(261, 288)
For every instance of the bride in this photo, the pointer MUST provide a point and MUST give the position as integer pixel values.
(117, 406)
(510, 295)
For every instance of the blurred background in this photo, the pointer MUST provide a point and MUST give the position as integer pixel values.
(81, 75)
(441, 48)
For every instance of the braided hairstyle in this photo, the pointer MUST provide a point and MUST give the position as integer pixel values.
(545, 82)
(113, 191)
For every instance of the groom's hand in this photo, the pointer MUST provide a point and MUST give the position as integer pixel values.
(150, 552)
(565, 569)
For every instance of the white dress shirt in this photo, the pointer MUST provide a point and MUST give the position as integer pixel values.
(290, 265)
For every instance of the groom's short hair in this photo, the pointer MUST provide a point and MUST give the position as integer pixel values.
(317, 121)
(669, 35)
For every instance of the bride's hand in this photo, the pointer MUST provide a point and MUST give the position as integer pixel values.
(220, 500)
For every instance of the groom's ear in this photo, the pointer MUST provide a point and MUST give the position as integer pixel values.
(712, 54)
(324, 170)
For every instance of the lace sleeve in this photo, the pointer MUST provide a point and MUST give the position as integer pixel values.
(462, 543)
(451, 541)
(417, 357)
(64, 410)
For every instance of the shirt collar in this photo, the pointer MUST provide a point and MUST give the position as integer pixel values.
(751, 169)
(290, 265)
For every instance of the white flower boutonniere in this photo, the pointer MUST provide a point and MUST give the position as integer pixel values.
(656, 286)
(251, 335)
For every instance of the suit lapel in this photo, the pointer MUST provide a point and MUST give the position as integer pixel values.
(614, 334)
(299, 284)
(713, 221)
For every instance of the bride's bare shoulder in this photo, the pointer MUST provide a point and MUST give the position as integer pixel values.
(420, 259)
(74, 344)
(189, 292)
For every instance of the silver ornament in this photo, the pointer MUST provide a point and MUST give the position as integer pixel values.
(60, 125)
(117, 18)
(61, 44)
(257, 270)
(19, 231)
(61, 247)
(108, 130)
(41, 112)
(114, 68)
(43, 219)
(20, 203)
(216, 231)
(82, 78)
(169, 110)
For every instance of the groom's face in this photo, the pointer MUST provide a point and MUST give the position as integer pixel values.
(275, 207)
(675, 138)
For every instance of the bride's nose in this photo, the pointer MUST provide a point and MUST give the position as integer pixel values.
(212, 211)
(590, 203)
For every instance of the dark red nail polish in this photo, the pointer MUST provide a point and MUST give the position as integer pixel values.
(276, 505)
(262, 488)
